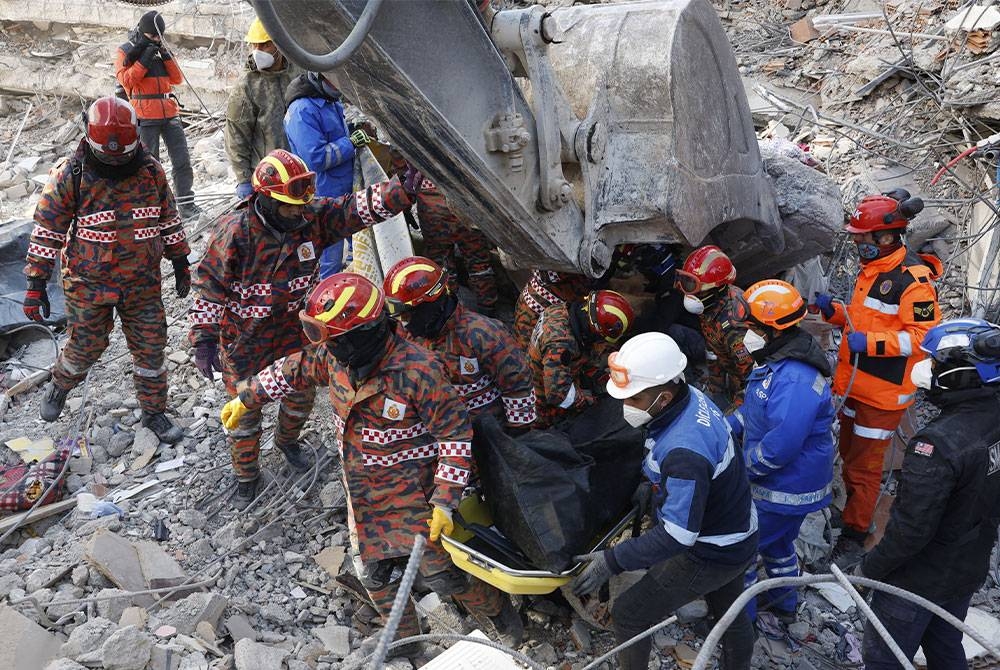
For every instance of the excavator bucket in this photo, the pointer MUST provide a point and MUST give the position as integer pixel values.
(560, 134)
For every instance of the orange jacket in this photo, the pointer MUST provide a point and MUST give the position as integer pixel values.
(895, 304)
(148, 89)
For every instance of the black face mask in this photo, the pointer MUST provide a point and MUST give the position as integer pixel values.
(361, 348)
(111, 171)
(428, 318)
(267, 209)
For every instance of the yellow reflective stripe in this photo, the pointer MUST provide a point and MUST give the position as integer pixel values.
(367, 309)
(338, 305)
(271, 160)
(398, 280)
(620, 314)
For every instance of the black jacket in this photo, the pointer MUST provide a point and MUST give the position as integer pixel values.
(944, 522)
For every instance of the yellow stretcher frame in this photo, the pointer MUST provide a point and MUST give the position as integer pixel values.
(507, 579)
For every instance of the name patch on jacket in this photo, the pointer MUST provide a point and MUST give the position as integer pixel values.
(393, 410)
(923, 449)
(923, 311)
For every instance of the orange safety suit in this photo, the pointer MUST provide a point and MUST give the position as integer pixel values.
(148, 89)
(894, 304)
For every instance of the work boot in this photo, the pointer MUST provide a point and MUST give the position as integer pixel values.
(189, 211)
(849, 549)
(245, 493)
(296, 456)
(53, 401)
(164, 428)
(508, 625)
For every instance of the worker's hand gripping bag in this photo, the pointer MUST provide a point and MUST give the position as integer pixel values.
(553, 492)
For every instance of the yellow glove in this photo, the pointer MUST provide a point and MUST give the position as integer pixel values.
(231, 413)
(440, 522)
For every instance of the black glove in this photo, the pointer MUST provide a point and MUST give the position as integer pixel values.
(164, 54)
(206, 359)
(411, 181)
(643, 496)
(594, 576)
(182, 276)
(36, 300)
(149, 55)
(411, 220)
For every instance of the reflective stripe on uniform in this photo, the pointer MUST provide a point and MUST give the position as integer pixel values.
(872, 433)
(879, 306)
(570, 398)
(848, 411)
(905, 343)
(733, 538)
(793, 499)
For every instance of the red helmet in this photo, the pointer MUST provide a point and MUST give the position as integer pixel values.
(112, 127)
(875, 213)
(340, 303)
(412, 281)
(609, 313)
(285, 177)
(706, 268)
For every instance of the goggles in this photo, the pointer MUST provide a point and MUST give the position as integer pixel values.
(301, 189)
(690, 284)
(619, 373)
(315, 330)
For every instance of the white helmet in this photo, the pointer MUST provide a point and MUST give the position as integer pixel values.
(646, 360)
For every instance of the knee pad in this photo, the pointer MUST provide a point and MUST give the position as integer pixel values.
(445, 583)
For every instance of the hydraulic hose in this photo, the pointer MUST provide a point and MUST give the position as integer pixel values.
(310, 61)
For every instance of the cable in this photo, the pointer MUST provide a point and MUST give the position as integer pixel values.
(439, 637)
(310, 61)
(952, 163)
(628, 643)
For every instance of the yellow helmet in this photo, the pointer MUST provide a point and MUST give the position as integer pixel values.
(257, 34)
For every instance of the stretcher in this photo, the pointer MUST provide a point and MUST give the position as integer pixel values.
(481, 550)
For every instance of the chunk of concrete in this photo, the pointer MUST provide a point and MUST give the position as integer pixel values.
(331, 559)
(188, 612)
(336, 639)
(127, 649)
(115, 558)
(87, 638)
(134, 616)
(112, 609)
(65, 664)
(24, 645)
(239, 628)
(159, 569)
(256, 656)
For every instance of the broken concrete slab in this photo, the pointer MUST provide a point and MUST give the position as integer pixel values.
(159, 569)
(127, 649)
(336, 639)
(187, 613)
(251, 655)
(64, 664)
(239, 628)
(134, 616)
(86, 639)
(331, 559)
(115, 558)
(24, 645)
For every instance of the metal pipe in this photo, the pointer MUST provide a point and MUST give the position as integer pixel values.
(308, 60)
(870, 615)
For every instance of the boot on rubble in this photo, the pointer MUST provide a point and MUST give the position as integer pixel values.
(53, 401)
(506, 626)
(849, 549)
(246, 492)
(296, 456)
(164, 428)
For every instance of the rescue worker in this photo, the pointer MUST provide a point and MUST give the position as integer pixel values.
(255, 111)
(319, 134)
(707, 283)
(785, 423)
(943, 524)
(125, 222)
(893, 306)
(569, 349)
(544, 289)
(404, 438)
(482, 360)
(257, 269)
(706, 530)
(147, 71)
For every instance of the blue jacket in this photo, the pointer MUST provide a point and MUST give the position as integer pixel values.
(701, 494)
(317, 133)
(785, 424)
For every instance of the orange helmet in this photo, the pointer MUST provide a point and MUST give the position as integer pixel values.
(609, 314)
(340, 303)
(112, 127)
(772, 303)
(284, 176)
(890, 211)
(706, 268)
(412, 281)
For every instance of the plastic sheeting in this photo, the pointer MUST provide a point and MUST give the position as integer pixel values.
(13, 247)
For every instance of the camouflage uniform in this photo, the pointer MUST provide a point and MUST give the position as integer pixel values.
(112, 235)
(728, 371)
(564, 372)
(250, 286)
(255, 117)
(485, 365)
(405, 443)
(544, 288)
(443, 231)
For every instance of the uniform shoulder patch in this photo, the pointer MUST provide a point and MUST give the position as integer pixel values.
(392, 410)
(470, 366)
(923, 311)
(923, 449)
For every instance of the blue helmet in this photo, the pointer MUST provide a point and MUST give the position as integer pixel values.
(965, 345)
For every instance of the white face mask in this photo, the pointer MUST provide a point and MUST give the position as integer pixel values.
(693, 305)
(636, 417)
(921, 374)
(753, 342)
(262, 59)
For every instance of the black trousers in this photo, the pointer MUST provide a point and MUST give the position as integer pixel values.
(672, 584)
(177, 148)
(911, 626)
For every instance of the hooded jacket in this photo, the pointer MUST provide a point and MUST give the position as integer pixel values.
(148, 78)
(317, 132)
(785, 422)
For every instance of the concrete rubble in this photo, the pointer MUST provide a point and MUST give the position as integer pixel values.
(273, 587)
